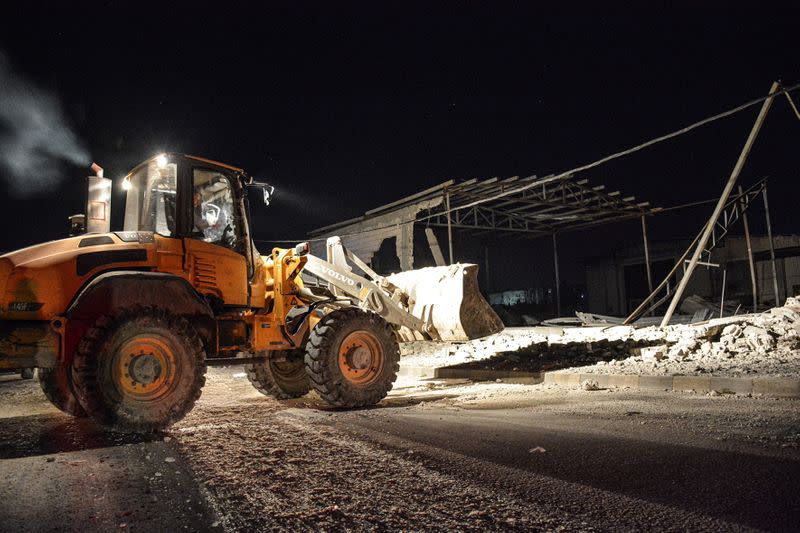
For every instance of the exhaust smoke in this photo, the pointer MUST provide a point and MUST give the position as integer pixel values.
(35, 138)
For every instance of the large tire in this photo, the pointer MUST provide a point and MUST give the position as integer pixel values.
(140, 370)
(56, 384)
(352, 358)
(280, 379)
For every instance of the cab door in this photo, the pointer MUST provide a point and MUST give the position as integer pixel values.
(216, 268)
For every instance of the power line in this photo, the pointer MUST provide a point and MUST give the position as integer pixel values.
(587, 166)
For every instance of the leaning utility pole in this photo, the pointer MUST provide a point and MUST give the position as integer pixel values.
(726, 192)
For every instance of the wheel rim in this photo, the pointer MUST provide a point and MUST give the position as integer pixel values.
(145, 368)
(361, 357)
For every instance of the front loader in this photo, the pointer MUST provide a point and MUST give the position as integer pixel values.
(122, 325)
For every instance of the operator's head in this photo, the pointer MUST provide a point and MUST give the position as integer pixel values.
(198, 199)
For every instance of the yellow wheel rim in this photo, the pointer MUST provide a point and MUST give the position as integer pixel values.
(145, 368)
(361, 357)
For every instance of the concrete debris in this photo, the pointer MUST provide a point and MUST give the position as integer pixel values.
(761, 343)
(654, 353)
(590, 385)
(695, 304)
(765, 343)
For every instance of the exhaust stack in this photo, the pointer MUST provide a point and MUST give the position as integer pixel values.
(98, 202)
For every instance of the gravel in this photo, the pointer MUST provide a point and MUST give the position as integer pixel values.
(280, 472)
(293, 465)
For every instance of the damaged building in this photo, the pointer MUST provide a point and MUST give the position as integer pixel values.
(466, 221)
(616, 284)
(463, 221)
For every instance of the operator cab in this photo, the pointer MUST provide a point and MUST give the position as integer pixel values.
(183, 196)
(196, 199)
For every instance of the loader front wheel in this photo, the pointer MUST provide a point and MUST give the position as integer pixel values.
(140, 370)
(56, 384)
(282, 379)
(352, 358)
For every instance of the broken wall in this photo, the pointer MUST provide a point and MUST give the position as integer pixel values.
(364, 237)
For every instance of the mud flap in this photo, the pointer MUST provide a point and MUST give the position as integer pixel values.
(448, 297)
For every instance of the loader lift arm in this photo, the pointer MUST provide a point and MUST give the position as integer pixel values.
(434, 303)
(377, 294)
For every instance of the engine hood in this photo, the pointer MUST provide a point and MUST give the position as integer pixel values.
(38, 282)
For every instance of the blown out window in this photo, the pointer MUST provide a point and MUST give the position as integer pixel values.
(213, 208)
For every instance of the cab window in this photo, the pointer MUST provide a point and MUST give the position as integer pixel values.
(150, 202)
(213, 218)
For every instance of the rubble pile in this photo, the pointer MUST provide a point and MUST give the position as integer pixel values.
(436, 354)
(763, 343)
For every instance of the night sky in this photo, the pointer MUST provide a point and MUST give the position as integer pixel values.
(349, 107)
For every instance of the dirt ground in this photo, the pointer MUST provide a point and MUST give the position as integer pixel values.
(434, 456)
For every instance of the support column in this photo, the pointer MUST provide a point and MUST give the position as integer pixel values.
(486, 269)
(724, 282)
(404, 245)
(647, 257)
(558, 279)
(771, 249)
(449, 227)
(753, 281)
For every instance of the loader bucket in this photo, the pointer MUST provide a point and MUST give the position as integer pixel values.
(448, 298)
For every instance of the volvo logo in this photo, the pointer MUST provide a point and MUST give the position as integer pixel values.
(336, 275)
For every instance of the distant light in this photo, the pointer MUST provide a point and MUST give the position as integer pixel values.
(126, 184)
(161, 161)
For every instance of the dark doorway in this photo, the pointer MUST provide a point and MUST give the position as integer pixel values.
(385, 260)
(636, 289)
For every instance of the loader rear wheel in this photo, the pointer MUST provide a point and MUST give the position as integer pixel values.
(352, 358)
(283, 379)
(56, 384)
(140, 370)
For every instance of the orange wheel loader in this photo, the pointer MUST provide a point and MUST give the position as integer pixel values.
(122, 325)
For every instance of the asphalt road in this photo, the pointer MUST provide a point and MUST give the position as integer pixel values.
(60, 474)
(447, 457)
(614, 474)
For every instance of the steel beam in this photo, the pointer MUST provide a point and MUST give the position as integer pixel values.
(750, 262)
(558, 279)
(771, 249)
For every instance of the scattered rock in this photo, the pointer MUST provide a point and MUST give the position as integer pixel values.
(654, 353)
(590, 384)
